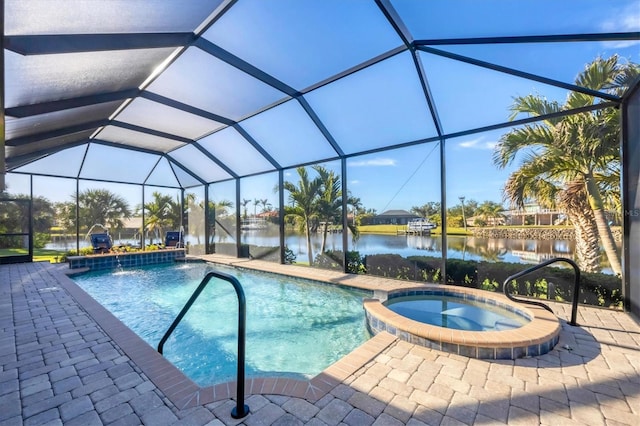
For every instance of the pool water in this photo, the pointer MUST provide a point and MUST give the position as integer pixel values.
(455, 312)
(295, 328)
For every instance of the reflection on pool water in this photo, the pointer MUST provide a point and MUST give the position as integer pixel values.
(295, 328)
(455, 312)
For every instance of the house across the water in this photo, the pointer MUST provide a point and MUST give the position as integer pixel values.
(393, 217)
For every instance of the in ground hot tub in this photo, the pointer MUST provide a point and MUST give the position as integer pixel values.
(452, 311)
(468, 322)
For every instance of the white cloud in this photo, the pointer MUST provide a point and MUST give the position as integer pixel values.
(625, 20)
(354, 182)
(622, 44)
(470, 144)
(376, 162)
(622, 20)
(478, 144)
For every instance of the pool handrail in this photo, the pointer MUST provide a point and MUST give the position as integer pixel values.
(240, 410)
(576, 286)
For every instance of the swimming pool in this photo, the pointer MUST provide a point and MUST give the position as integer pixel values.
(295, 328)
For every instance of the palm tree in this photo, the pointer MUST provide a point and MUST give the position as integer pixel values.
(174, 214)
(490, 212)
(562, 152)
(421, 211)
(356, 205)
(264, 203)
(102, 207)
(190, 224)
(222, 208)
(244, 203)
(330, 203)
(303, 198)
(428, 210)
(157, 214)
(195, 217)
(66, 215)
(216, 211)
(329, 206)
(574, 201)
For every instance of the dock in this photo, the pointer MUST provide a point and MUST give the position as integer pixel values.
(413, 232)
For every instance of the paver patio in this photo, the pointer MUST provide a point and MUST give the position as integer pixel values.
(65, 361)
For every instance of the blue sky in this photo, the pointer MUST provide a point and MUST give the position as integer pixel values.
(400, 179)
(383, 104)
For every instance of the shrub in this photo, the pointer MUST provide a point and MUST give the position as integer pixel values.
(478, 221)
(595, 288)
(85, 251)
(398, 267)
(289, 256)
(40, 240)
(334, 260)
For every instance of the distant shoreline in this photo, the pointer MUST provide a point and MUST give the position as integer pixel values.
(533, 232)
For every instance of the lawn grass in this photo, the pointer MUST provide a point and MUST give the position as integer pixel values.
(39, 255)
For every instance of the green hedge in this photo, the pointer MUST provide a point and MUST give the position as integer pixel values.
(595, 288)
(334, 260)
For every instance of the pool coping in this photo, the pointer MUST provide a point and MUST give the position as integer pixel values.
(185, 393)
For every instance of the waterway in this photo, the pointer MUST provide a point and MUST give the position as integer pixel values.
(458, 247)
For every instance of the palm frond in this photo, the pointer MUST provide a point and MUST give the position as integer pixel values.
(527, 138)
(532, 106)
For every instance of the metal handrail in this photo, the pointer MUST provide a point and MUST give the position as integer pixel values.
(240, 410)
(576, 286)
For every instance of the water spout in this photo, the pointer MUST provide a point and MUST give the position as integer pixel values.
(90, 231)
(119, 267)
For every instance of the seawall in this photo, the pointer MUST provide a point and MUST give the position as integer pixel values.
(534, 233)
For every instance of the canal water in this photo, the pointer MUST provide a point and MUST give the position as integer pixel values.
(458, 247)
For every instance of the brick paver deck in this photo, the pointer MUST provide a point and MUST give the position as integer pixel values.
(64, 360)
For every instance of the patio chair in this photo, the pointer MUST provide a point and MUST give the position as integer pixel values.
(101, 243)
(173, 239)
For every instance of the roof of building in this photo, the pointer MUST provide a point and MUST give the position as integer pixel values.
(398, 213)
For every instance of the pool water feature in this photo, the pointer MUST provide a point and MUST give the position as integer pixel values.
(456, 312)
(295, 328)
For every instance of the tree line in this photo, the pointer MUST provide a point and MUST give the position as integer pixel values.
(487, 212)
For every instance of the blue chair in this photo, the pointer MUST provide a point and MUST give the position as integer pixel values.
(101, 243)
(173, 239)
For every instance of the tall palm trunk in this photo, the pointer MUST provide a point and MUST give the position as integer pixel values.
(324, 237)
(574, 201)
(604, 231)
(308, 235)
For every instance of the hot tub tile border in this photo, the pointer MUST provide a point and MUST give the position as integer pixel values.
(536, 338)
